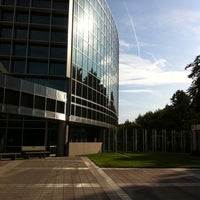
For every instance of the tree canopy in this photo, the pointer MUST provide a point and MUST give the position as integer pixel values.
(183, 110)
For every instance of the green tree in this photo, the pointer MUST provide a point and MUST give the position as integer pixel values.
(194, 89)
(181, 106)
(174, 116)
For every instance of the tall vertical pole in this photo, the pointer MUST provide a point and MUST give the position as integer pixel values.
(136, 140)
(126, 138)
(155, 140)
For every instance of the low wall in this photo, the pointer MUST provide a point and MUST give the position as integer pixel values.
(82, 148)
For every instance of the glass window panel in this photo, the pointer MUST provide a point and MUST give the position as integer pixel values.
(58, 36)
(20, 50)
(51, 104)
(9, 2)
(38, 51)
(39, 102)
(60, 4)
(5, 63)
(26, 100)
(39, 35)
(58, 52)
(12, 97)
(22, 17)
(33, 137)
(4, 49)
(40, 18)
(60, 107)
(6, 32)
(79, 58)
(23, 2)
(59, 20)
(38, 68)
(58, 84)
(78, 111)
(1, 94)
(58, 69)
(41, 3)
(21, 33)
(19, 67)
(7, 16)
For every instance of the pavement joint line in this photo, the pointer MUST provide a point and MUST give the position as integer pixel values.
(159, 184)
(110, 187)
(55, 185)
(56, 168)
(149, 169)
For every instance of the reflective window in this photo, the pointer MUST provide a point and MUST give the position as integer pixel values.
(38, 51)
(20, 50)
(9, 2)
(41, 3)
(95, 50)
(23, 3)
(7, 16)
(26, 100)
(60, 107)
(58, 84)
(5, 63)
(39, 102)
(59, 20)
(21, 33)
(19, 67)
(58, 69)
(1, 94)
(38, 68)
(58, 52)
(60, 4)
(22, 17)
(58, 36)
(4, 49)
(12, 97)
(51, 104)
(39, 35)
(6, 32)
(40, 18)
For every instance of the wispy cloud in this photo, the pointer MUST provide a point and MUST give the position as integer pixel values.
(136, 91)
(133, 28)
(185, 22)
(134, 70)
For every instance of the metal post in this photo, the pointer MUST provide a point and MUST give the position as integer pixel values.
(136, 142)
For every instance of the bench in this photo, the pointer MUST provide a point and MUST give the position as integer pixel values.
(33, 151)
(12, 156)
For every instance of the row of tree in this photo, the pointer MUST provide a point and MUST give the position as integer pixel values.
(183, 111)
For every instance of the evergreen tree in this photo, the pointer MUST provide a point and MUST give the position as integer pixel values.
(194, 89)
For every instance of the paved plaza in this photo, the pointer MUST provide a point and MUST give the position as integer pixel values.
(78, 178)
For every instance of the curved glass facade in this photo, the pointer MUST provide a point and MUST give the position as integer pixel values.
(95, 58)
(66, 47)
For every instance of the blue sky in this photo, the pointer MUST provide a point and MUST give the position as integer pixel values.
(158, 38)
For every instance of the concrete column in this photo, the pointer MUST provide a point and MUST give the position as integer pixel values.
(61, 139)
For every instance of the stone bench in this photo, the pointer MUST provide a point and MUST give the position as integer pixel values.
(34, 151)
(12, 156)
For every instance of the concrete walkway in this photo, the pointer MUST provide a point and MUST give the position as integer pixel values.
(78, 178)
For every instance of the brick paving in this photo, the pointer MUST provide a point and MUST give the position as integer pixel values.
(78, 178)
(155, 184)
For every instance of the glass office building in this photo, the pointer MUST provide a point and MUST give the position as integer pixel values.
(59, 74)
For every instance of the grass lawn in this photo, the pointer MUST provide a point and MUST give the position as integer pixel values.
(132, 160)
